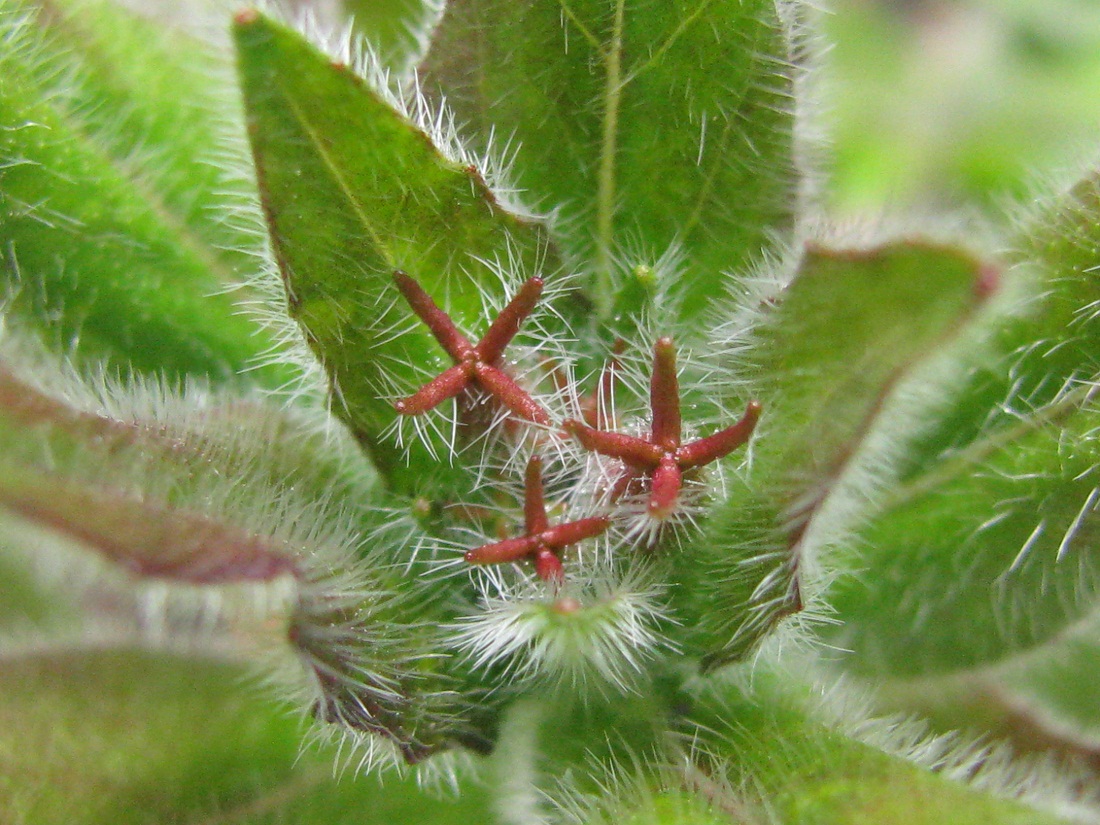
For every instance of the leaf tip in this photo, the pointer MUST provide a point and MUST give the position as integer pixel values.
(246, 17)
(988, 281)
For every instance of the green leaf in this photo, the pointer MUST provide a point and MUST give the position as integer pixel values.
(109, 523)
(107, 260)
(148, 538)
(747, 749)
(801, 766)
(1050, 343)
(846, 330)
(156, 442)
(210, 511)
(126, 737)
(648, 125)
(86, 476)
(354, 191)
(997, 504)
(1044, 700)
(157, 100)
(1056, 688)
(397, 30)
(988, 555)
(25, 600)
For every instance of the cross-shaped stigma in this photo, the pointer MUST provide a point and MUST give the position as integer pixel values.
(661, 457)
(540, 541)
(473, 364)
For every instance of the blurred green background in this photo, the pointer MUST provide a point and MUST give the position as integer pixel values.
(936, 103)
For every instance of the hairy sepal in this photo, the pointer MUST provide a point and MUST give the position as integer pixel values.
(830, 348)
(207, 501)
(600, 636)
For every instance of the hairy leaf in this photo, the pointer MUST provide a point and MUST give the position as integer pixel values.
(800, 765)
(127, 737)
(1050, 343)
(1056, 692)
(767, 751)
(353, 192)
(849, 326)
(398, 30)
(113, 260)
(138, 85)
(148, 499)
(997, 513)
(988, 555)
(648, 125)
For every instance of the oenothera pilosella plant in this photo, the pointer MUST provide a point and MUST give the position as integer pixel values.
(559, 461)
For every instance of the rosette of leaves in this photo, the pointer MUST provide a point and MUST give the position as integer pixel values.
(502, 399)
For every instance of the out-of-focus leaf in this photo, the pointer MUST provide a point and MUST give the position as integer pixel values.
(151, 441)
(24, 602)
(1049, 345)
(765, 750)
(1043, 701)
(49, 448)
(157, 101)
(398, 30)
(1058, 688)
(148, 538)
(126, 737)
(988, 555)
(112, 261)
(354, 191)
(233, 508)
(805, 768)
(994, 522)
(849, 326)
(648, 125)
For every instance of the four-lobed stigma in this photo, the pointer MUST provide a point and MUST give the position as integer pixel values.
(654, 464)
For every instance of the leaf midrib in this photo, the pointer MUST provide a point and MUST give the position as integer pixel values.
(615, 83)
(609, 147)
(338, 178)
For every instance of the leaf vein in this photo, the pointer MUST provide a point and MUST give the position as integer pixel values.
(341, 182)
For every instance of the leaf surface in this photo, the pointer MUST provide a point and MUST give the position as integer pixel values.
(397, 30)
(1056, 689)
(127, 737)
(353, 192)
(743, 751)
(805, 763)
(844, 332)
(988, 557)
(648, 125)
(158, 101)
(110, 258)
(984, 552)
(1050, 342)
(171, 527)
